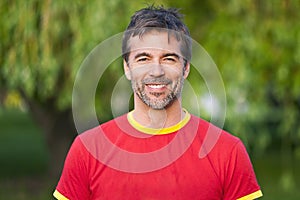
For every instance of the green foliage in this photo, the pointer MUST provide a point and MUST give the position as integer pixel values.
(43, 43)
(255, 44)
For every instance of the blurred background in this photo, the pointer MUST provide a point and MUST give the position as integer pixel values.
(254, 43)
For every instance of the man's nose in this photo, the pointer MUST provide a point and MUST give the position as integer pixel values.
(157, 70)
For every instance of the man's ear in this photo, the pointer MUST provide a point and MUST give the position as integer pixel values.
(126, 70)
(186, 70)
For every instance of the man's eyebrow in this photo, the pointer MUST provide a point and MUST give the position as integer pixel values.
(172, 54)
(142, 54)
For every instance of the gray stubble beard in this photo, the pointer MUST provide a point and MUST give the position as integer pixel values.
(139, 90)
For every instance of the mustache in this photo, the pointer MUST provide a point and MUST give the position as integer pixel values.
(160, 80)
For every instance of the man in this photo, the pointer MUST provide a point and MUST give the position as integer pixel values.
(152, 151)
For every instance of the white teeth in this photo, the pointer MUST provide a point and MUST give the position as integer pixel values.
(156, 86)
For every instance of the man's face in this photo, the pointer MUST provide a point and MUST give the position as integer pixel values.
(156, 68)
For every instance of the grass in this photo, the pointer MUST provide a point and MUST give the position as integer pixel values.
(23, 158)
(278, 178)
(22, 146)
(24, 161)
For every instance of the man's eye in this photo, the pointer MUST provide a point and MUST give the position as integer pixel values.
(170, 59)
(143, 59)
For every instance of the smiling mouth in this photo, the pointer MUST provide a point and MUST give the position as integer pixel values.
(156, 86)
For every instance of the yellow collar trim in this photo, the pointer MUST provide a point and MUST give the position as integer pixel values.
(162, 131)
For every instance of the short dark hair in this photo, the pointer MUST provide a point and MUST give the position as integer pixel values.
(161, 19)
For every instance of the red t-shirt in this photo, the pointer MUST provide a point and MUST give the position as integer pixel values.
(120, 159)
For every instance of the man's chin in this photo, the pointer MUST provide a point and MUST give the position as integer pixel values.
(156, 103)
(160, 105)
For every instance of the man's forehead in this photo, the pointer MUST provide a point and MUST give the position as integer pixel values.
(154, 41)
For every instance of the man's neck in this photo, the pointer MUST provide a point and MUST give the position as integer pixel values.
(158, 119)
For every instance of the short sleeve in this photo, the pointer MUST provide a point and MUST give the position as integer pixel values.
(240, 182)
(73, 183)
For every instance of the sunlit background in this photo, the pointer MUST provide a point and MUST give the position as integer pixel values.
(255, 45)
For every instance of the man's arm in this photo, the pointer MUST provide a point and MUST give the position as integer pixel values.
(240, 182)
(73, 183)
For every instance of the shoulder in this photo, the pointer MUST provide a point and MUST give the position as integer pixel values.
(210, 130)
(100, 137)
(213, 138)
(109, 125)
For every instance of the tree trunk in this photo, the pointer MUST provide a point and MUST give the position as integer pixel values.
(59, 131)
(2, 96)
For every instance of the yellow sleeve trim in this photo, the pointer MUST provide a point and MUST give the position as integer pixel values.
(162, 131)
(252, 196)
(59, 196)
